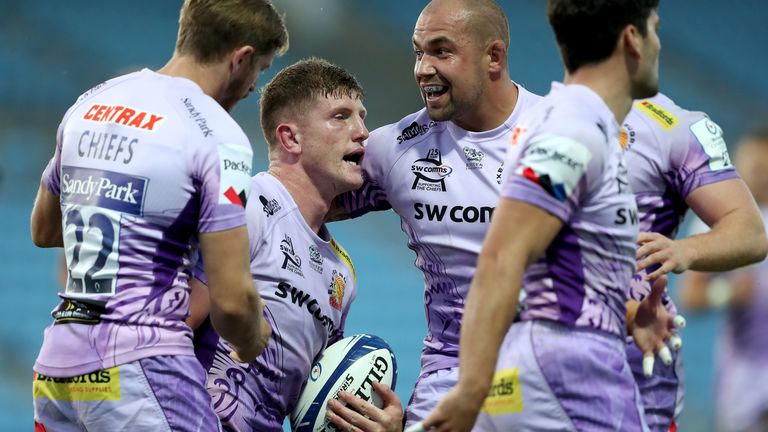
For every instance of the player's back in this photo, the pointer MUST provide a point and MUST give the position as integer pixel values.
(566, 160)
(143, 163)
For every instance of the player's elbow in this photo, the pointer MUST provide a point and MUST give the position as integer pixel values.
(757, 248)
(45, 237)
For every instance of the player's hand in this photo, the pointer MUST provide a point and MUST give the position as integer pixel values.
(653, 326)
(457, 412)
(363, 416)
(249, 353)
(654, 248)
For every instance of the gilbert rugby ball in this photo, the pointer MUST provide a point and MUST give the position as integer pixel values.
(349, 365)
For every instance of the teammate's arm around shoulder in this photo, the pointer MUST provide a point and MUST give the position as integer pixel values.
(46, 219)
(236, 307)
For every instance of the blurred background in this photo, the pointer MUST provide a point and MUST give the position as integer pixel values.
(714, 59)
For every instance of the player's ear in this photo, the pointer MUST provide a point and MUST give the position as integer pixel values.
(288, 136)
(240, 58)
(631, 41)
(497, 56)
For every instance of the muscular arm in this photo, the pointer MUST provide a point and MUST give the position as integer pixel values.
(235, 304)
(737, 236)
(518, 235)
(45, 222)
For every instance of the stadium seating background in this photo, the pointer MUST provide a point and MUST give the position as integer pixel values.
(713, 59)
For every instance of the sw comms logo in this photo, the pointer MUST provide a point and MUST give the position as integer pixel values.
(430, 172)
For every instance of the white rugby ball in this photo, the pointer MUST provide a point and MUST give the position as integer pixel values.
(349, 365)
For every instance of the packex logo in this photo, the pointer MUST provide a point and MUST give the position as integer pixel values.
(105, 189)
(430, 172)
(237, 166)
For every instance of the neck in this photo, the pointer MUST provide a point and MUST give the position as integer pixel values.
(493, 108)
(610, 81)
(210, 77)
(312, 205)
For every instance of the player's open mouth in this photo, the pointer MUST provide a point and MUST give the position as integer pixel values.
(433, 92)
(354, 158)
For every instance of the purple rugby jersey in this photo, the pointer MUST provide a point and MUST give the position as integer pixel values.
(143, 163)
(307, 282)
(444, 183)
(566, 159)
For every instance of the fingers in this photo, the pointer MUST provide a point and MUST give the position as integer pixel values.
(665, 354)
(648, 362)
(657, 289)
(350, 417)
(645, 237)
(679, 321)
(387, 395)
(418, 427)
(676, 342)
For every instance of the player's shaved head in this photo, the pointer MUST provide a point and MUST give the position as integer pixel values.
(484, 20)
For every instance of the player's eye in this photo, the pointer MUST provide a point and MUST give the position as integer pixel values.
(419, 54)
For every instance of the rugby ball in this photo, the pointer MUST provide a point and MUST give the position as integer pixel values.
(349, 365)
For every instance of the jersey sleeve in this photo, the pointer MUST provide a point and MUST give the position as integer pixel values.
(550, 172)
(701, 157)
(223, 175)
(371, 196)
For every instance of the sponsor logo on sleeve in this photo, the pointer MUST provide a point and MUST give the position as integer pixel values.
(505, 396)
(414, 130)
(235, 169)
(344, 256)
(197, 117)
(555, 163)
(291, 261)
(474, 158)
(664, 118)
(430, 172)
(125, 116)
(106, 189)
(710, 136)
(336, 289)
(270, 206)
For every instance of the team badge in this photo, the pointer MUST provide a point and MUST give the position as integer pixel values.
(336, 289)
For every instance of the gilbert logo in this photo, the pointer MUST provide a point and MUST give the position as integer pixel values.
(106, 189)
(123, 115)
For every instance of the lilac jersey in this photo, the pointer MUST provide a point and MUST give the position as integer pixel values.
(670, 152)
(307, 282)
(444, 183)
(566, 159)
(143, 163)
